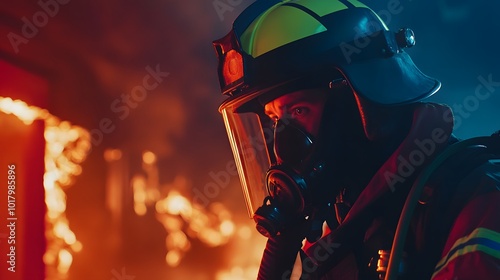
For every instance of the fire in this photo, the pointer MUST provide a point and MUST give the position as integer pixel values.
(20, 109)
(66, 147)
(65, 260)
(247, 254)
(182, 219)
(238, 273)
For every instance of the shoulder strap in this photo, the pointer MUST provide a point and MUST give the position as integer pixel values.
(491, 145)
(451, 186)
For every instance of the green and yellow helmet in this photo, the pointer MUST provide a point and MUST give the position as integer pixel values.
(278, 46)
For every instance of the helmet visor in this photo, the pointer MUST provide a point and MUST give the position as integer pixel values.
(251, 139)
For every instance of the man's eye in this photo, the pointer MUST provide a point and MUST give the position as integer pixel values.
(299, 111)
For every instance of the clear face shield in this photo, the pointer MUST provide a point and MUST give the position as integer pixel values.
(251, 139)
(274, 164)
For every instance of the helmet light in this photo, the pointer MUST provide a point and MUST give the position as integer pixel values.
(232, 69)
(230, 63)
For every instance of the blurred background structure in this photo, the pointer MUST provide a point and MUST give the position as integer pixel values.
(109, 111)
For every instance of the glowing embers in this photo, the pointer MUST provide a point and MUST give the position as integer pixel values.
(66, 147)
(23, 111)
(243, 266)
(182, 219)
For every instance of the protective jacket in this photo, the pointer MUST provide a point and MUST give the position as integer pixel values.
(454, 231)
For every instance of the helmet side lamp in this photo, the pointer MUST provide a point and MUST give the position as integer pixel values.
(405, 37)
(230, 68)
(394, 42)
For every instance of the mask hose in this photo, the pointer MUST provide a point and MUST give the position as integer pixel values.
(280, 254)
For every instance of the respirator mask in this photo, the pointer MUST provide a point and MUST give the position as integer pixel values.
(285, 172)
(291, 181)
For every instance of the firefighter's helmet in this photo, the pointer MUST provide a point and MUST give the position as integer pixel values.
(276, 47)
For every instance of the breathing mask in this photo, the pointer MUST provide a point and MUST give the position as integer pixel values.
(285, 171)
(290, 181)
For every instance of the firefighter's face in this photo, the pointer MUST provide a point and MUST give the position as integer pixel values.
(305, 107)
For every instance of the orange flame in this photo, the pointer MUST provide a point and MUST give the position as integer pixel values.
(66, 147)
(182, 219)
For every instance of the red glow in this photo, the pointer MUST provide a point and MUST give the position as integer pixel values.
(233, 67)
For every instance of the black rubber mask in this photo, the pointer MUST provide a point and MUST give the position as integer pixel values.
(292, 145)
(289, 181)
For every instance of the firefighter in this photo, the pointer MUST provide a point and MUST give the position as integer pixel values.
(344, 167)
